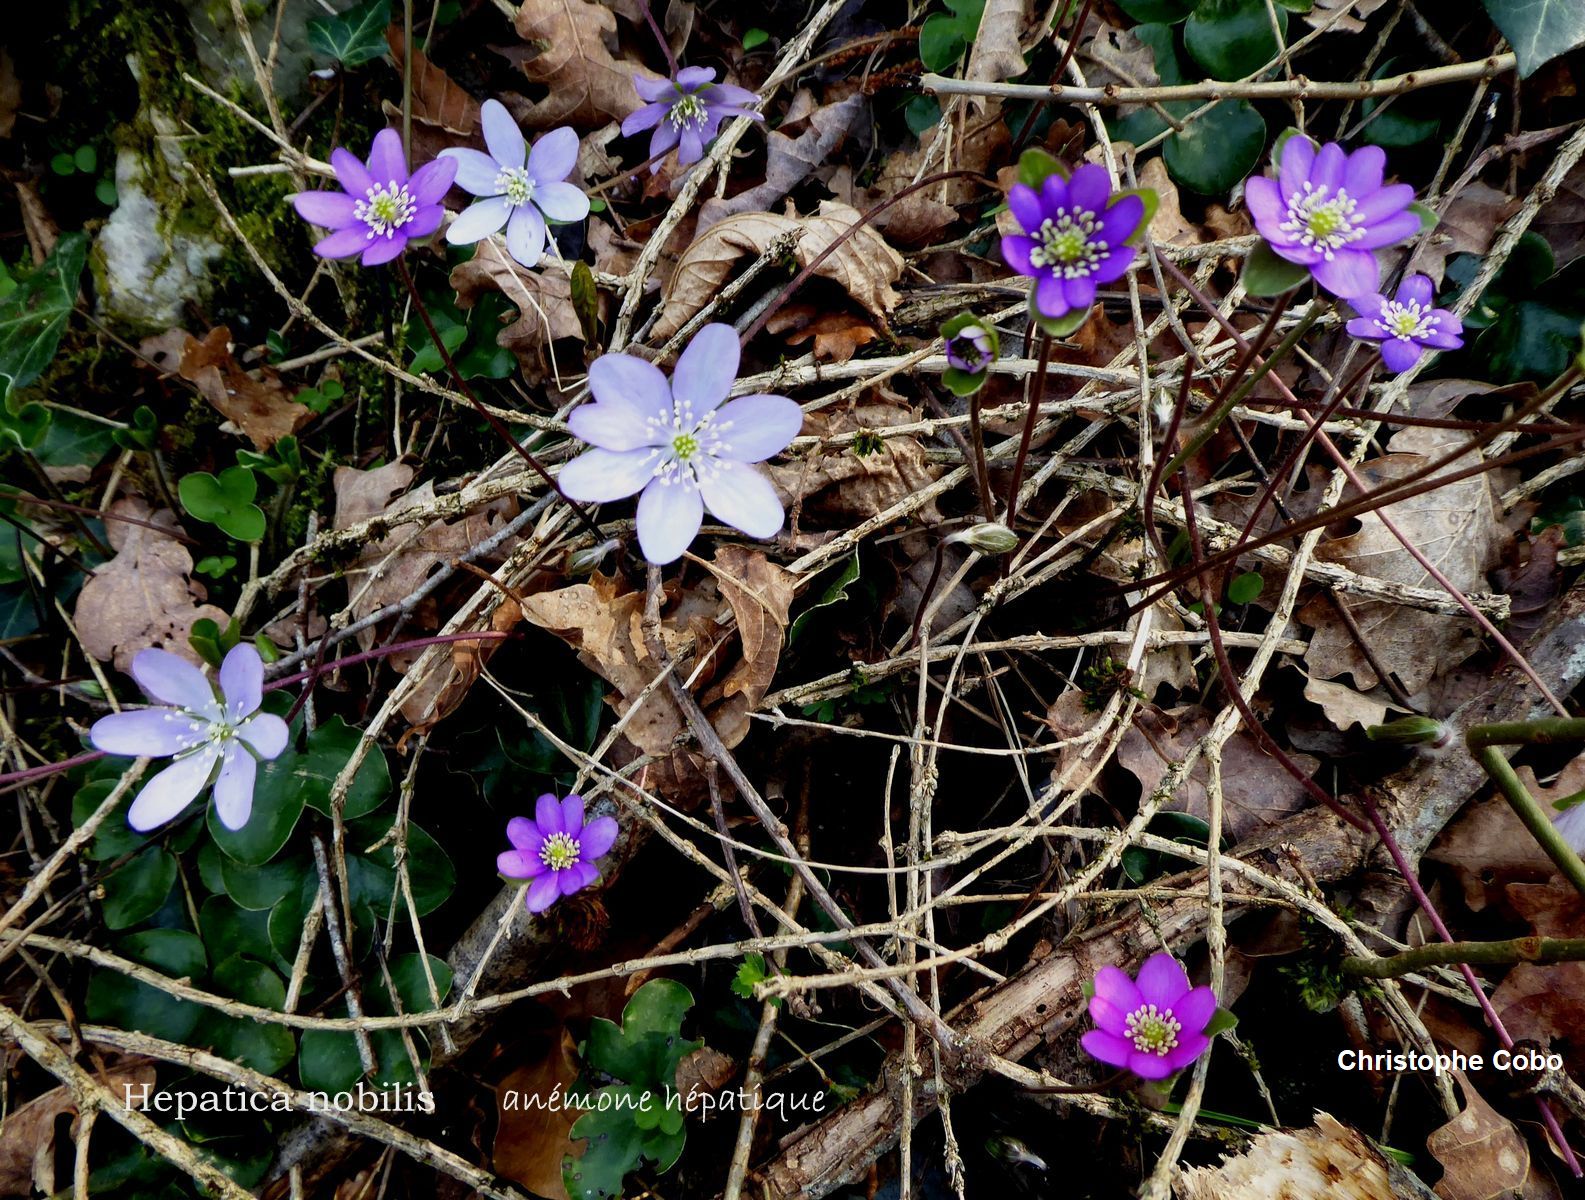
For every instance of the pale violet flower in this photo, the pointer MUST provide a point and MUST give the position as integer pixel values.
(201, 730)
(380, 207)
(679, 445)
(1407, 325)
(686, 112)
(519, 188)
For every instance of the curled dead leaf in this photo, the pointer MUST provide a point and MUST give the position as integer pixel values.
(144, 596)
(531, 1138)
(1483, 1155)
(789, 160)
(257, 403)
(587, 85)
(851, 482)
(864, 265)
(545, 312)
(837, 336)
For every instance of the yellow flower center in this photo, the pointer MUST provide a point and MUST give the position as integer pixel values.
(560, 851)
(1153, 1031)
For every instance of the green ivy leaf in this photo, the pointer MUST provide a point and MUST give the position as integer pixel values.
(33, 317)
(1245, 588)
(355, 37)
(835, 593)
(1232, 39)
(1538, 30)
(225, 500)
(113, 999)
(1266, 274)
(254, 1044)
(945, 36)
(135, 891)
(263, 887)
(327, 750)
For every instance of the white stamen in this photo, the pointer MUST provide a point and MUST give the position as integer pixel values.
(514, 183)
(1410, 321)
(1067, 243)
(1152, 1030)
(385, 208)
(1321, 221)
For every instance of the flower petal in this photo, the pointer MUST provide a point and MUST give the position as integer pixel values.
(1050, 297)
(572, 815)
(730, 94)
(242, 681)
(629, 379)
(654, 90)
(669, 516)
(1265, 202)
(1190, 1046)
(331, 209)
(752, 428)
(1195, 1010)
(561, 202)
(502, 135)
(1079, 291)
(1416, 289)
(425, 221)
(705, 371)
(599, 835)
(1363, 170)
(350, 173)
(615, 425)
(643, 118)
(515, 864)
(1114, 984)
(1115, 265)
(478, 221)
(1150, 1066)
(1025, 205)
(266, 733)
(344, 243)
(387, 163)
(740, 496)
(1298, 156)
(1053, 193)
(1327, 170)
(1390, 232)
(1366, 329)
(1108, 1016)
(1107, 1047)
(525, 235)
(1399, 354)
(150, 732)
(1090, 188)
(690, 146)
(547, 815)
(1378, 206)
(598, 476)
(384, 249)
(689, 79)
(542, 893)
(172, 790)
(663, 139)
(1161, 980)
(1121, 221)
(553, 156)
(1368, 305)
(234, 788)
(1015, 253)
(525, 835)
(432, 180)
(573, 879)
(173, 679)
(1348, 273)
(476, 170)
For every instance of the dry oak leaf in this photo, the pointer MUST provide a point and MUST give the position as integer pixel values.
(996, 55)
(841, 485)
(837, 335)
(27, 1152)
(1344, 706)
(144, 596)
(760, 594)
(1487, 847)
(531, 1137)
(864, 265)
(919, 218)
(588, 86)
(438, 99)
(1329, 1160)
(1546, 1004)
(543, 300)
(261, 405)
(1483, 1156)
(1455, 526)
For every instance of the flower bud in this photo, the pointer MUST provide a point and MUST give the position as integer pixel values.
(588, 560)
(1412, 731)
(989, 537)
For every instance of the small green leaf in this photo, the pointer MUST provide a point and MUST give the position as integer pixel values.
(354, 37)
(86, 160)
(1245, 588)
(313, 771)
(1168, 11)
(1034, 165)
(1265, 274)
(586, 302)
(755, 37)
(751, 972)
(137, 890)
(1221, 1021)
(1427, 215)
(225, 500)
(1057, 327)
(34, 316)
(105, 192)
(255, 1044)
(262, 887)
(921, 114)
(1232, 39)
(835, 593)
(113, 999)
(63, 164)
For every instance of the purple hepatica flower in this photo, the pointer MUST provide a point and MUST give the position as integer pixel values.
(1154, 1027)
(555, 849)
(200, 729)
(520, 187)
(686, 112)
(1407, 324)
(1074, 237)
(1328, 209)
(381, 207)
(679, 445)
(969, 349)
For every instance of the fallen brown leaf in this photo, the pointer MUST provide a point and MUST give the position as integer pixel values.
(543, 299)
(144, 596)
(837, 335)
(10, 93)
(532, 1139)
(588, 86)
(864, 265)
(27, 1151)
(1483, 1156)
(438, 100)
(840, 485)
(789, 161)
(260, 404)
(996, 55)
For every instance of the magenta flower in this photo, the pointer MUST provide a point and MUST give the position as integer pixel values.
(201, 730)
(519, 188)
(555, 849)
(970, 349)
(679, 445)
(686, 112)
(1154, 1028)
(1075, 235)
(1407, 324)
(1328, 209)
(380, 207)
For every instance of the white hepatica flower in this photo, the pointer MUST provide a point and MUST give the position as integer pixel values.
(518, 188)
(200, 730)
